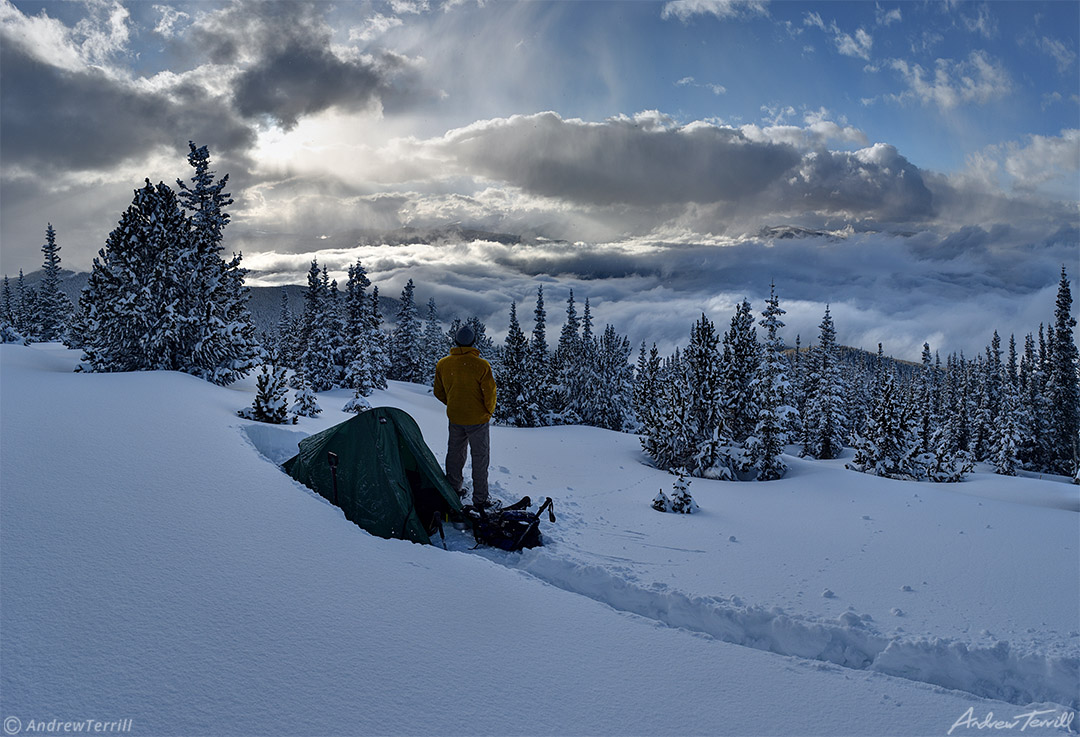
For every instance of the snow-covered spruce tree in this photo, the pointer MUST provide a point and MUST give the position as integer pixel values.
(511, 375)
(219, 335)
(270, 403)
(434, 342)
(378, 344)
(689, 430)
(741, 357)
(1007, 432)
(826, 418)
(537, 367)
(359, 403)
(321, 332)
(661, 503)
(647, 387)
(284, 341)
(305, 403)
(357, 343)
(1063, 386)
(563, 365)
(7, 303)
(926, 381)
(406, 354)
(770, 387)
(313, 301)
(890, 446)
(585, 382)
(129, 303)
(53, 308)
(614, 405)
(681, 501)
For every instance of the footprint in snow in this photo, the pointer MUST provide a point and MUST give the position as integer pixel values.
(828, 594)
(897, 611)
(905, 587)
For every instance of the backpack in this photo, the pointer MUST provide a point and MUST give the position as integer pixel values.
(508, 529)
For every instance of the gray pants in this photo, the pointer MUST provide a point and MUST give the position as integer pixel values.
(463, 438)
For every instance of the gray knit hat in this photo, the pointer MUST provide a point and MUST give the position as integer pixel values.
(465, 336)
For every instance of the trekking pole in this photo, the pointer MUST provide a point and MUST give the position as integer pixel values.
(437, 520)
(332, 459)
(535, 522)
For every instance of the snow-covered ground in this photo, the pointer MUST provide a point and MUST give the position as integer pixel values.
(155, 565)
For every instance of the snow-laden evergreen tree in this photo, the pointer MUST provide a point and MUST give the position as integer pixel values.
(130, 303)
(1063, 386)
(7, 303)
(357, 353)
(741, 357)
(25, 308)
(689, 429)
(538, 373)
(890, 446)
(313, 307)
(271, 404)
(406, 353)
(647, 387)
(927, 420)
(793, 424)
(770, 387)
(614, 390)
(826, 419)
(563, 366)
(284, 341)
(53, 307)
(434, 342)
(305, 403)
(359, 403)
(378, 344)
(1007, 436)
(681, 501)
(661, 503)
(219, 335)
(587, 394)
(320, 333)
(513, 407)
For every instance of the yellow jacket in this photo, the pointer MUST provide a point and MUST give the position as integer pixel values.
(463, 382)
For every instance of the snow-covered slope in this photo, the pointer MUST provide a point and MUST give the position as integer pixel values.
(156, 565)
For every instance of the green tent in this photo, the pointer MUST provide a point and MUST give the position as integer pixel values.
(388, 482)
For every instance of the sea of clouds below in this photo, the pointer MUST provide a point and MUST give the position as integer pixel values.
(899, 290)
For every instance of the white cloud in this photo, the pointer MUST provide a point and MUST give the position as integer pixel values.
(1063, 55)
(684, 10)
(979, 79)
(982, 23)
(887, 17)
(374, 27)
(857, 45)
(170, 19)
(716, 89)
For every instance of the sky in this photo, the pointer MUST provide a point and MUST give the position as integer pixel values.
(646, 153)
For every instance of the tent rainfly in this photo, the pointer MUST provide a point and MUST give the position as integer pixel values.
(388, 481)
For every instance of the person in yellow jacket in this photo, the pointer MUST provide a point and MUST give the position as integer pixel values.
(465, 384)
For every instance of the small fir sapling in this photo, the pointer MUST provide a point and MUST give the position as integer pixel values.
(681, 501)
(306, 404)
(270, 403)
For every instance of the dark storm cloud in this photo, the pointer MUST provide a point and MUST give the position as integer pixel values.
(648, 162)
(300, 80)
(288, 67)
(875, 181)
(56, 120)
(623, 160)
